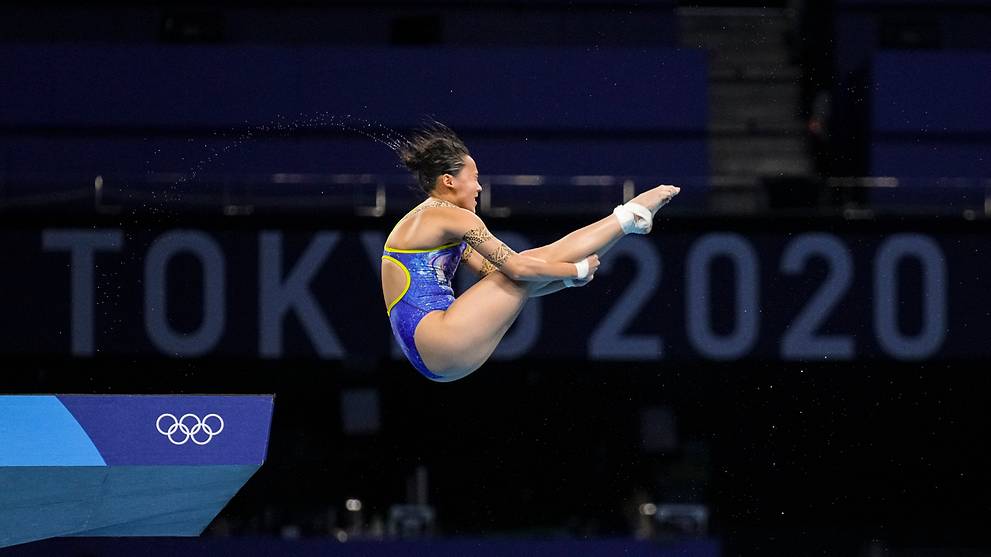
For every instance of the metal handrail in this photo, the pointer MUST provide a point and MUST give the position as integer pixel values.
(374, 195)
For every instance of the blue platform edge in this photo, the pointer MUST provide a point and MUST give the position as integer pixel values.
(79, 465)
(40, 431)
(96, 430)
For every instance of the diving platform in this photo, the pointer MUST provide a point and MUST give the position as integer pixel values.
(124, 465)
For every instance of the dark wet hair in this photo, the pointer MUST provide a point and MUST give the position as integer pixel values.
(434, 150)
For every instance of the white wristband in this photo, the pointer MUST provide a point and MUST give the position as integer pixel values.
(582, 269)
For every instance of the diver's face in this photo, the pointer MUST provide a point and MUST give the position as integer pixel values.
(466, 186)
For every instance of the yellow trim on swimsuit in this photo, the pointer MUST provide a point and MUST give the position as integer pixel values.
(445, 246)
(409, 280)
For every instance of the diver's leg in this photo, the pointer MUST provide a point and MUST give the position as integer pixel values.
(455, 342)
(599, 236)
(458, 341)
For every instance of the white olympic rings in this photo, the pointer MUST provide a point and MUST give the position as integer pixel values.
(189, 430)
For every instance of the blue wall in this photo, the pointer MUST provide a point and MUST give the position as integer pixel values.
(862, 28)
(522, 110)
(930, 114)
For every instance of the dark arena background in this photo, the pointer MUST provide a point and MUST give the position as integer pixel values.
(194, 198)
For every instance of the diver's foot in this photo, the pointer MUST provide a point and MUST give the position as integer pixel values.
(655, 198)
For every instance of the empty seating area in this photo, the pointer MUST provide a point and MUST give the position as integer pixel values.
(275, 110)
(547, 93)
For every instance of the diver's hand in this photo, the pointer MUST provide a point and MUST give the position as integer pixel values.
(593, 265)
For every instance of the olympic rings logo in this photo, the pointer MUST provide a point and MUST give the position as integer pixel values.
(190, 428)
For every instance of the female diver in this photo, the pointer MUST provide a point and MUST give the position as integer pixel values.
(446, 338)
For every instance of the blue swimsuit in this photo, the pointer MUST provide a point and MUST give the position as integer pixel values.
(428, 288)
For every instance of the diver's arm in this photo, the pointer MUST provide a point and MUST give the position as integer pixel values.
(519, 267)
